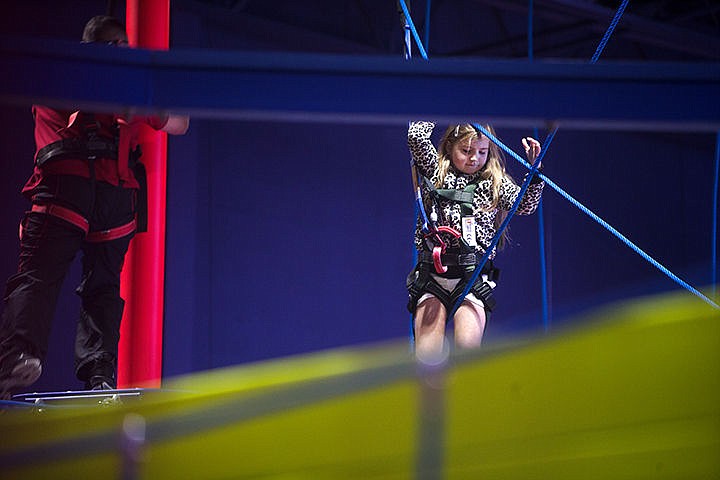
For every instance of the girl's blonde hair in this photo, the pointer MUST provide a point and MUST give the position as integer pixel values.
(494, 168)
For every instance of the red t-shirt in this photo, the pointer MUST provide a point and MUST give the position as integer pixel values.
(52, 125)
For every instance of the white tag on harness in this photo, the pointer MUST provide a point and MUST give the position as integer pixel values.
(468, 231)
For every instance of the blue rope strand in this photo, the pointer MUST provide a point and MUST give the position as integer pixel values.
(540, 209)
(409, 21)
(543, 267)
(530, 30)
(504, 224)
(543, 261)
(609, 31)
(715, 218)
(608, 227)
(428, 5)
(419, 207)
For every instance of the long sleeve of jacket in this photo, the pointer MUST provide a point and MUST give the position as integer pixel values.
(422, 150)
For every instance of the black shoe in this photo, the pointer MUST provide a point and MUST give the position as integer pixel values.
(100, 382)
(17, 370)
(98, 375)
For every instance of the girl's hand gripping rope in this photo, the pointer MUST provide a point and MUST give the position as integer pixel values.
(532, 149)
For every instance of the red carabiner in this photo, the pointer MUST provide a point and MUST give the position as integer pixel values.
(440, 249)
(449, 230)
(437, 260)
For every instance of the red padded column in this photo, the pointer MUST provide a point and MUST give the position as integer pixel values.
(143, 276)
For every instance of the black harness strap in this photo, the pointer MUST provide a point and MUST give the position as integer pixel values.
(420, 281)
(88, 146)
(451, 259)
(84, 148)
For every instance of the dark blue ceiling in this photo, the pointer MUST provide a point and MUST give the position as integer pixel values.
(677, 30)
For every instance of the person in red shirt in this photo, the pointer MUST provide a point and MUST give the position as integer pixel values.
(84, 191)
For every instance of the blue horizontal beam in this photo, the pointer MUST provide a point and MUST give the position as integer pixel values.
(362, 89)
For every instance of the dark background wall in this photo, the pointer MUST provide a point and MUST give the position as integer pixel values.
(285, 238)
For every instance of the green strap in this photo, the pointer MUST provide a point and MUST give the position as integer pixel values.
(463, 197)
(459, 196)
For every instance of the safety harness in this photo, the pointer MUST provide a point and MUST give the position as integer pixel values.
(462, 261)
(91, 146)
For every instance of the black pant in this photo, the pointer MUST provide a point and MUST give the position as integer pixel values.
(47, 249)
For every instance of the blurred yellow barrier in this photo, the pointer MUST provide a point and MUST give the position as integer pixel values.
(633, 392)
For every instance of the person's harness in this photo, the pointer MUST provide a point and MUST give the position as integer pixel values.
(462, 261)
(91, 146)
(431, 232)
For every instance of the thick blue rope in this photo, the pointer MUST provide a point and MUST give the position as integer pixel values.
(715, 218)
(419, 210)
(544, 294)
(409, 21)
(609, 31)
(504, 224)
(543, 267)
(607, 226)
(540, 209)
(428, 7)
(530, 29)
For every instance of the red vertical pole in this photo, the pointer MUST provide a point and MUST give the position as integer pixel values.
(143, 276)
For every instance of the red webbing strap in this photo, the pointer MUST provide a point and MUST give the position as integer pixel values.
(112, 233)
(80, 222)
(65, 214)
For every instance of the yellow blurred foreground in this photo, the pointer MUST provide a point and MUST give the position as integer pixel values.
(633, 392)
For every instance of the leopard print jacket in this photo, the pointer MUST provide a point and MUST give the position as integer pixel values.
(425, 158)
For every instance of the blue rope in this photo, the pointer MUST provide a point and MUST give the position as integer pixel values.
(609, 31)
(504, 224)
(543, 262)
(715, 218)
(409, 21)
(428, 4)
(419, 207)
(540, 209)
(608, 227)
(530, 30)
(543, 267)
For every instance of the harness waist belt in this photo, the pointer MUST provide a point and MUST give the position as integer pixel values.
(77, 148)
(461, 259)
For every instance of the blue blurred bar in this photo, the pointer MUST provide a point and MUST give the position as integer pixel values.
(363, 89)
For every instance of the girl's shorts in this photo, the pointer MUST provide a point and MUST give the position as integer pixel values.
(449, 284)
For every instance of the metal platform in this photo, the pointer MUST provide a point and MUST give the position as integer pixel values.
(77, 398)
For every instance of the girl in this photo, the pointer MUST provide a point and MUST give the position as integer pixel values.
(466, 194)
